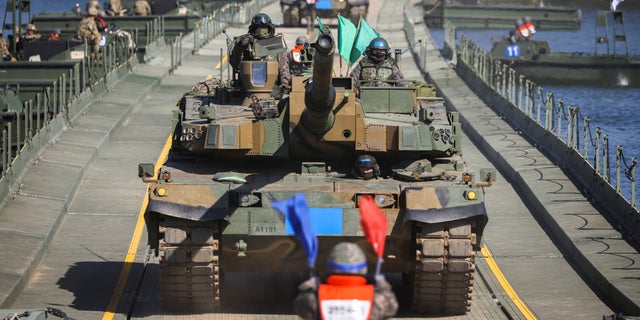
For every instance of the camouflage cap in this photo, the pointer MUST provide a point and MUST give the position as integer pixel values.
(347, 257)
(92, 11)
(31, 27)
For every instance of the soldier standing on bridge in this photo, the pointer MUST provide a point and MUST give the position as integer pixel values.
(142, 8)
(377, 65)
(346, 293)
(88, 30)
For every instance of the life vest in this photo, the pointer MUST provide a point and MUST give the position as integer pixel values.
(372, 71)
(345, 297)
(524, 32)
(530, 27)
(296, 55)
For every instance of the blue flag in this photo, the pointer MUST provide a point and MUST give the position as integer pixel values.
(297, 212)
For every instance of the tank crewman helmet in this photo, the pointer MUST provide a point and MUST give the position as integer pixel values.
(31, 27)
(92, 11)
(347, 258)
(367, 167)
(378, 49)
(261, 26)
(301, 41)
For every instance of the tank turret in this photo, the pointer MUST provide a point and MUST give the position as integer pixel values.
(320, 94)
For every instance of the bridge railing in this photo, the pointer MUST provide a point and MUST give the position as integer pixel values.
(560, 129)
(31, 126)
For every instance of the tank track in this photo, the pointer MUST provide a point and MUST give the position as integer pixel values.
(189, 265)
(445, 268)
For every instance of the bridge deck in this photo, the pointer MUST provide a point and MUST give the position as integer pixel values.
(533, 242)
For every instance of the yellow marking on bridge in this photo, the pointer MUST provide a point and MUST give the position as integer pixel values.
(133, 245)
(528, 314)
(224, 60)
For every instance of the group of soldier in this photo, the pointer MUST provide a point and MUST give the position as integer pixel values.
(346, 281)
(376, 68)
(90, 28)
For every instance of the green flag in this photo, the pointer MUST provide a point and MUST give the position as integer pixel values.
(320, 26)
(346, 37)
(363, 37)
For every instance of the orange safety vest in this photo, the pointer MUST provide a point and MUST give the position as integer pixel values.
(346, 297)
(295, 54)
(523, 30)
(530, 27)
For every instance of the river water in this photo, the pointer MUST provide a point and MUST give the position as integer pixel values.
(613, 109)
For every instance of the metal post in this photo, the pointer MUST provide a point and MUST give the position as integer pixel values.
(585, 131)
(618, 165)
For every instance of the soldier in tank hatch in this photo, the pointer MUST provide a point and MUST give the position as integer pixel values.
(346, 293)
(293, 63)
(243, 46)
(377, 65)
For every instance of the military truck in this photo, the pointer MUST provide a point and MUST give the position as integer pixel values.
(294, 10)
(237, 149)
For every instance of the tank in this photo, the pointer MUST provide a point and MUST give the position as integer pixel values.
(236, 151)
(294, 10)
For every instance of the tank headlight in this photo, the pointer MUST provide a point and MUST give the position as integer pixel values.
(470, 195)
(247, 199)
(381, 200)
(161, 192)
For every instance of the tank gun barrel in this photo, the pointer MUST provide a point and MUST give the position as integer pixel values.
(320, 94)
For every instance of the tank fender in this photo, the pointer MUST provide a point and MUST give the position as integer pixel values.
(439, 215)
(477, 212)
(194, 213)
(355, 3)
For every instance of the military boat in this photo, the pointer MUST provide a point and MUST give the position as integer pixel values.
(487, 15)
(535, 60)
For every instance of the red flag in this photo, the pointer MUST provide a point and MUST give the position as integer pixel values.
(373, 223)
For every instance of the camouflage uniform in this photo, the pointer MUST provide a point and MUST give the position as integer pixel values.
(142, 8)
(95, 4)
(31, 33)
(383, 306)
(368, 70)
(115, 8)
(4, 48)
(87, 29)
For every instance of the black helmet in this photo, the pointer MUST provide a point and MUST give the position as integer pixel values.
(347, 257)
(261, 21)
(378, 49)
(379, 43)
(367, 167)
